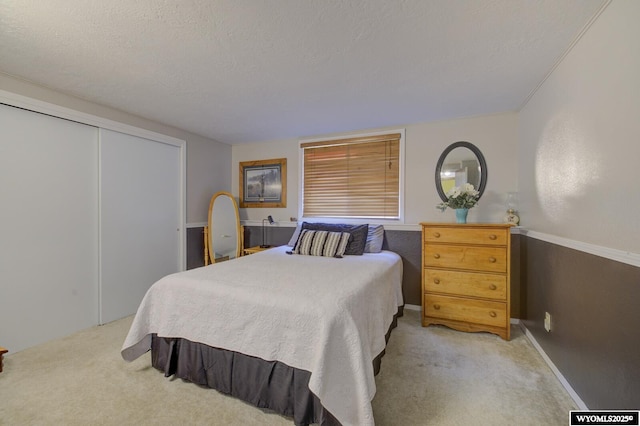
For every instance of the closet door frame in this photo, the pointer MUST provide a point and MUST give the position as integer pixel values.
(19, 101)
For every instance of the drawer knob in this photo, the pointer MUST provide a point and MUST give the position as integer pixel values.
(436, 307)
(436, 234)
(492, 314)
(492, 259)
(436, 256)
(493, 287)
(493, 237)
(436, 281)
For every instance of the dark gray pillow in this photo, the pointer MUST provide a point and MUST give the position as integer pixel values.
(357, 240)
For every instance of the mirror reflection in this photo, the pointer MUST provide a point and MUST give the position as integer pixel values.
(223, 239)
(460, 166)
(462, 162)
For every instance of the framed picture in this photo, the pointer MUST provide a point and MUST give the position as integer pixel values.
(263, 183)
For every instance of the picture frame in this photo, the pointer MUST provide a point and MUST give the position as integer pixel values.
(263, 183)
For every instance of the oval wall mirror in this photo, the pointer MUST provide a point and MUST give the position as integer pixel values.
(224, 228)
(460, 163)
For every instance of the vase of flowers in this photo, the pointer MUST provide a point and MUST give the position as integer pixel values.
(461, 199)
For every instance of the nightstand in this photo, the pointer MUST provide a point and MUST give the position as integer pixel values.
(255, 249)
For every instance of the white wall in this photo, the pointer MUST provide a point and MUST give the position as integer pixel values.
(264, 151)
(208, 171)
(208, 161)
(579, 149)
(495, 136)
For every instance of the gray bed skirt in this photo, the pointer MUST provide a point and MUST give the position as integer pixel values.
(271, 385)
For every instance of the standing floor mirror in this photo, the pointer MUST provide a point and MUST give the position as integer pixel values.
(222, 236)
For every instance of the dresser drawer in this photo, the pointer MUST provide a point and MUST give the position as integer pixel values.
(486, 259)
(467, 310)
(469, 235)
(473, 284)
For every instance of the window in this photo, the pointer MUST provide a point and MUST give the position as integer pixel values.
(358, 177)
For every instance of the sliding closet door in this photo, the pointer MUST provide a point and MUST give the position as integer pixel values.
(140, 202)
(48, 227)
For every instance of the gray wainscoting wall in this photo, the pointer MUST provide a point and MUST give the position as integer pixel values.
(195, 247)
(595, 320)
(274, 235)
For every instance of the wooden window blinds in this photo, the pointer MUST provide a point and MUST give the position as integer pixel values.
(357, 177)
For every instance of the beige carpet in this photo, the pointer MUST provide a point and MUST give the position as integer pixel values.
(430, 376)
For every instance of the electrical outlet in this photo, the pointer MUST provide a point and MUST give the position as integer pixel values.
(547, 321)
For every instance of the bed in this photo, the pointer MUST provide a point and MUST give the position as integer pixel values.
(301, 335)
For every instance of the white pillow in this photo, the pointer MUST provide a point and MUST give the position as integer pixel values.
(321, 243)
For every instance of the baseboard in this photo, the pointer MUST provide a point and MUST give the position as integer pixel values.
(576, 398)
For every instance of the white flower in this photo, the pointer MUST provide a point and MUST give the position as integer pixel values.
(454, 192)
(460, 197)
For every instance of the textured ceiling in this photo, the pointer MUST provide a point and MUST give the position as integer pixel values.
(254, 70)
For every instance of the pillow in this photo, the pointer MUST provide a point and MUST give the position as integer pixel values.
(321, 243)
(358, 238)
(296, 234)
(375, 238)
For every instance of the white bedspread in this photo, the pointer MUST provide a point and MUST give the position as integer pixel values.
(324, 315)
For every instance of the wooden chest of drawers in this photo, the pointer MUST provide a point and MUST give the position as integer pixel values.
(466, 276)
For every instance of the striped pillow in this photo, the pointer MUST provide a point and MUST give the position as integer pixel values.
(321, 243)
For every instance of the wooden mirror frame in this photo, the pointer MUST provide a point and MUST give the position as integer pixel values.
(208, 250)
(481, 161)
